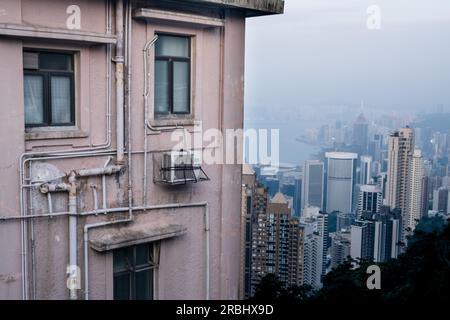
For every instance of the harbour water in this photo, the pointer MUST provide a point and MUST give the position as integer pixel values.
(292, 150)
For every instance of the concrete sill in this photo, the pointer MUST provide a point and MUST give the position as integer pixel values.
(54, 133)
(172, 121)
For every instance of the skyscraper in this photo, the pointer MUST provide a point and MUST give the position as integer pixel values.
(376, 235)
(344, 220)
(369, 199)
(365, 170)
(415, 207)
(341, 167)
(386, 233)
(381, 182)
(253, 210)
(277, 228)
(362, 239)
(315, 248)
(375, 147)
(276, 242)
(340, 247)
(400, 152)
(441, 198)
(313, 184)
(296, 238)
(361, 134)
(298, 195)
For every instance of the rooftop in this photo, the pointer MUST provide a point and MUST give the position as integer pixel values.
(341, 155)
(247, 169)
(279, 198)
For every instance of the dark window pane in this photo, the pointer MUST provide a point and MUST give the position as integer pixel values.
(120, 260)
(34, 99)
(142, 254)
(61, 99)
(131, 281)
(171, 46)
(180, 87)
(144, 285)
(48, 89)
(31, 60)
(161, 86)
(122, 287)
(55, 61)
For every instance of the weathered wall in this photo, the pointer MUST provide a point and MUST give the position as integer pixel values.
(12, 146)
(217, 102)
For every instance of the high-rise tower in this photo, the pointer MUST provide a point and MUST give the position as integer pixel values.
(340, 181)
(415, 206)
(313, 184)
(361, 134)
(400, 152)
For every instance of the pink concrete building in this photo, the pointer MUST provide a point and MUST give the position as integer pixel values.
(94, 202)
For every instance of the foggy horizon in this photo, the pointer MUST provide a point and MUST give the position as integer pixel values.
(320, 56)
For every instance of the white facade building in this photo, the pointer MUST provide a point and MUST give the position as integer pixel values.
(341, 168)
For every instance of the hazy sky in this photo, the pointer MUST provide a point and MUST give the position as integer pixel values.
(321, 52)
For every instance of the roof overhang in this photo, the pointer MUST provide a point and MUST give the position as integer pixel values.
(251, 7)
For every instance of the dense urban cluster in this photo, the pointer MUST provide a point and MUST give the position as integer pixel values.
(361, 197)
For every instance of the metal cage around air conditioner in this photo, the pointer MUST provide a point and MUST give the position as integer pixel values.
(180, 167)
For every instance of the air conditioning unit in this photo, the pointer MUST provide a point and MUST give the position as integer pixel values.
(179, 167)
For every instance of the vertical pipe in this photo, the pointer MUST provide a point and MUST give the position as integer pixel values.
(144, 176)
(32, 243)
(86, 263)
(128, 61)
(24, 241)
(119, 59)
(94, 196)
(50, 203)
(146, 52)
(207, 249)
(73, 266)
(104, 206)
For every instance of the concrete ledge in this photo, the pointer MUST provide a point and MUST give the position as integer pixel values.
(49, 133)
(25, 31)
(172, 122)
(130, 236)
(176, 17)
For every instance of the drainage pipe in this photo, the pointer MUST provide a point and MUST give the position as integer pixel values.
(146, 52)
(73, 265)
(128, 28)
(71, 188)
(119, 60)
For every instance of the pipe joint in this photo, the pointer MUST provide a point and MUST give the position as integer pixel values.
(51, 187)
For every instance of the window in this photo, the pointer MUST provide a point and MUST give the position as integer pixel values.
(48, 88)
(172, 75)
(133, 271)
